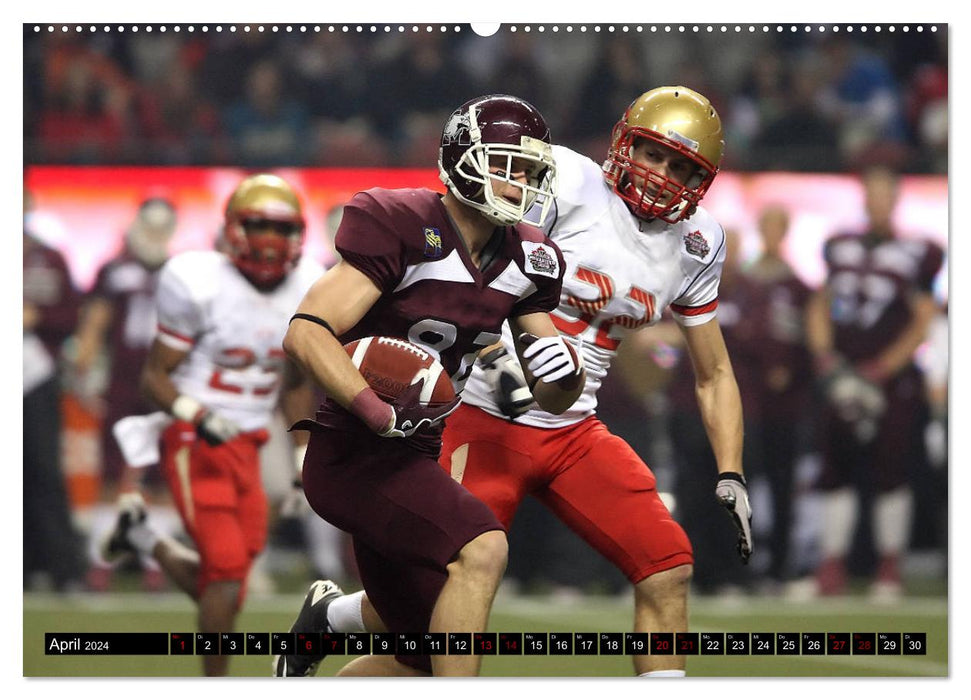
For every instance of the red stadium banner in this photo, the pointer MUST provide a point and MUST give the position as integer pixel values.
(84, 211)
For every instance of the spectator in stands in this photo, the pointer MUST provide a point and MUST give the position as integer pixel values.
(268, 128)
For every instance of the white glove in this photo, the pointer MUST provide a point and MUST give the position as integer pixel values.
(505, 376)
(732, 493)
(551, 358)
(294, 504)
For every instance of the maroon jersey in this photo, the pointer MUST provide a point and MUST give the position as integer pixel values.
(129, 287)
(871, 279)
(48, 286)
(432, 293)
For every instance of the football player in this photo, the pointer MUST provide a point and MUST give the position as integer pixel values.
(863, 328)
(217, 367)
(445, 272)
(117, 326)
(635, 242)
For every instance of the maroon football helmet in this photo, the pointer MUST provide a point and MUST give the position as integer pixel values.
(496, 130)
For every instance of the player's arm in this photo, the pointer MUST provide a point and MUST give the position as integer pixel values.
(552, 367)
(156, 380)
(296, 402)
(819, 331)
(340, 298)
(157, 385)
(721, 411)
(333, 305)
(96, 317)
(899, 354)
(717, 393)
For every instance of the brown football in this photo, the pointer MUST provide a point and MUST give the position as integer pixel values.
(390, 365)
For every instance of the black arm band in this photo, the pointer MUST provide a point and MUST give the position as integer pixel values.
(314, 319)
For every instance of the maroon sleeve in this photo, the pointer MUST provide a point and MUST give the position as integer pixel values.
(930, 265)
(547, 294)
(59, 316)
(367, 239)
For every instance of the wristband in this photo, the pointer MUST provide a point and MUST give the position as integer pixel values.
(376, 414)
(188, 409)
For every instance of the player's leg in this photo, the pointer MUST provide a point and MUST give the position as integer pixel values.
(422, 527)
(606, 494)
(843, 455)
(218, 605)
(898, 447)
(466, 598)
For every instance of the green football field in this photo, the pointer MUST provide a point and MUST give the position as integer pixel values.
(138, 612)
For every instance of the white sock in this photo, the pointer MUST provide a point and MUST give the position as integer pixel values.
(344, 614)
(840, 511)
(665, 673)
(892, 512)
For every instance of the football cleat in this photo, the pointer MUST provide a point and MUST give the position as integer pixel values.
(311, 618)
(116, 546)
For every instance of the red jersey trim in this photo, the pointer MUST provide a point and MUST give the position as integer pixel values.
(175, 336)
(695, 310)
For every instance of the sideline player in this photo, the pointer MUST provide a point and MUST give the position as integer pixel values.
(217, 367)
(635, 242)
(445, 272)
(863, 328)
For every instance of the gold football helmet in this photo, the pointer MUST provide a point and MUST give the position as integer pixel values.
(264, 229)
(679, 119)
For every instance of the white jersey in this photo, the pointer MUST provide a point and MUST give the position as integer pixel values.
(621, 273)
(232, 331)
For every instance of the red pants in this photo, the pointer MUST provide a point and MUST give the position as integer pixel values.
(220, 498)
(591, 479)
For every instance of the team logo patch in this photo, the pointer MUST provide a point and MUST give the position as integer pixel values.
(433, 243)
(696, 244)
(540, 259)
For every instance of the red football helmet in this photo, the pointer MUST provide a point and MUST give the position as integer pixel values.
(500, 129)
(264, 229)
(676, 118)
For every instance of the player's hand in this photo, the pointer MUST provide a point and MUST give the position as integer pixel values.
(505, 376)
(551, 358)
(215, 429)
(294, 504)
(732, 493)
(408, 416)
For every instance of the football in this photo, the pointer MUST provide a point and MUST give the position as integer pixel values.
(390, 365)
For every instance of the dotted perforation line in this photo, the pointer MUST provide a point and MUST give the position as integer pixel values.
(414, 28)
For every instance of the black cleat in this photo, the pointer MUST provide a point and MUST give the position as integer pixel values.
(311, 618)
(116, 546)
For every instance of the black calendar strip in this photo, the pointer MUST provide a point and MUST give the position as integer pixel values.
(489, 643)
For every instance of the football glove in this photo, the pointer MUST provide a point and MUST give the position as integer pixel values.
(505, 376)
(211, 427)
(732, 493)
(551, 358)
(409, 416)
(215, 429)
(857, 401)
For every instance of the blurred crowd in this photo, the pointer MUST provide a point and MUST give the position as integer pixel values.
(819, 102)
(798, 101)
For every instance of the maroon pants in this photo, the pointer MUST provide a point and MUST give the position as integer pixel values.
(407, 516)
